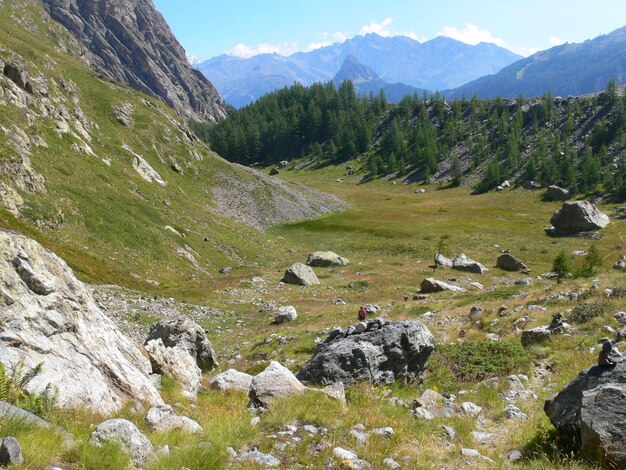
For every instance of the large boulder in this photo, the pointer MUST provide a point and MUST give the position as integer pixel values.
(126, 434)
(177, 363)
(555, 193)
(590, 412)
(301, 275)
(376, 351)
(508, 262)
(275, 381)
(231, 380)
(578, 216)
(324, 259)
(430, 285)
(467, 264)
(185, 334)
(50, 317)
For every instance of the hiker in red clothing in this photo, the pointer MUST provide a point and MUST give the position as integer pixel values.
(362, 314)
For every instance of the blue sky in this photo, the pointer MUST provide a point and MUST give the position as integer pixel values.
(246, 27)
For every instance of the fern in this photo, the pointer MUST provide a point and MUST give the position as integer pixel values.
(13, 389)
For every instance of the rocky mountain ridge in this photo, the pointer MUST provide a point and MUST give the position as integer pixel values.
(130, 41)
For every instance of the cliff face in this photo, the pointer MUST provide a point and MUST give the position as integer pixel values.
(131, 42)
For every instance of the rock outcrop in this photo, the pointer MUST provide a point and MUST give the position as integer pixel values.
(49, 317)
(301, 275)
(130, 41)
(578, 216)
(324, 259)
(589, 413)
(376, 351)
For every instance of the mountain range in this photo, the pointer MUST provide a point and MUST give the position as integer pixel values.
(438, 64)
(569, 69)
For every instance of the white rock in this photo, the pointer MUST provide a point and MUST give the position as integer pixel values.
(163, 419)
(231, 380)
(122, 431)
(471, 409)
(275, 381)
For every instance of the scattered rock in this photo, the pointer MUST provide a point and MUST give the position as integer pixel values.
(324, 259)
(226, 270)
(274, 171)
(187, 335)
(163, 419)
(391, 463)
(175, 362)
(125, 433)
(471, 409)
(124, 114)
(50, 317)
(578, 216)
(285, 315)
(275, 381)
(231, 380)
(11, 452)
(509, 262)
(258, 457)
(450, 431)
(474, 454)
(463, 263)
(514, 456)
(589, 413)
(336, 391)
(430, 285)
(383, 353)
(513, 412)
(301, 275)
(442, 262)
(555, 193)
(541, 333)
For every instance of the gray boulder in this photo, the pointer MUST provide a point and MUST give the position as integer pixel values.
(275, 381)
(430, 285)
(578, 216)
(50, 317)
(231, 380)
(442, 262)
(464, 263)
(509, 262)
(11, 452)
(126, 434)
(301, 275)
(541, 333)
(163, 418)
(285, 315)
(177, 363)
(555, 193)
(324, 259)
(187, 335)
(382, 352)
(590, 412)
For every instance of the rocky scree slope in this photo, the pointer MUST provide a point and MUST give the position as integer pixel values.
(131, 42)
(112, 179)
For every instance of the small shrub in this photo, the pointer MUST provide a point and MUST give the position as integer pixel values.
(474, 361)
(584, 312)
(13, 390)
(593, 260)
(561, 265)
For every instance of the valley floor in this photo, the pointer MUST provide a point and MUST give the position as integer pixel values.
(390, 234)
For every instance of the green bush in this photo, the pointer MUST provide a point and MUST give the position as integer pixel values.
(584, 312)
(474, 361)
(13, 390)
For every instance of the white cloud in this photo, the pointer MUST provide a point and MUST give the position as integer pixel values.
(194, 59)
(555, 41)
(471, 34)
(245, 52)
(382, 29)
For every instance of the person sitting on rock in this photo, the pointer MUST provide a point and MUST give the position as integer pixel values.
(362, 314)
(609, 355)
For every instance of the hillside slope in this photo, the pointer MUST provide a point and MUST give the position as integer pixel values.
(112, 179)
(131, 42)
(570, 69)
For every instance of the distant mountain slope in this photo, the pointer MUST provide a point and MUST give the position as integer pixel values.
(570, 69)
(132, 43)
(366, 81)
(438, 64)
